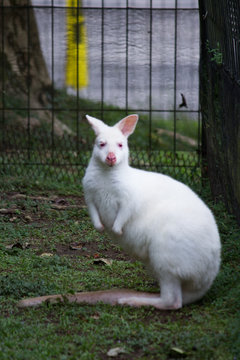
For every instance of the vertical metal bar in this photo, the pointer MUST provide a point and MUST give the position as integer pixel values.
(3, 84)
(102, 62)
(150, 79)
(199, 152)
(126, 89)
(199, 149)
(175, 82)
(28, 83)
(52, 70)
(78, 39)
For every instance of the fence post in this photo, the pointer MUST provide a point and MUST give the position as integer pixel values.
(220, 101)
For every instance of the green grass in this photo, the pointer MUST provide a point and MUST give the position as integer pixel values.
(205, 330)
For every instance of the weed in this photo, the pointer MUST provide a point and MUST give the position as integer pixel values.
(216, 54)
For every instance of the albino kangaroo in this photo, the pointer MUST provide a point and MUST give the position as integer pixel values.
(155, 218)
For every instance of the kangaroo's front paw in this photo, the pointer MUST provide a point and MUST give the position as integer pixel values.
(117, 231)
(99, 227)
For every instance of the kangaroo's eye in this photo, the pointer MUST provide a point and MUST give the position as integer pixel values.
(102, 144)
(120, 145)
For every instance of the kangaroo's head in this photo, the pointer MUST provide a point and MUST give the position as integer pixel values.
(111, 147)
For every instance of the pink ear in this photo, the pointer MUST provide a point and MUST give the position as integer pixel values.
(128, 124)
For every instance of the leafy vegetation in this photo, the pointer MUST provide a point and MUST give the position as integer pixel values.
(216, 53)
(43, 219)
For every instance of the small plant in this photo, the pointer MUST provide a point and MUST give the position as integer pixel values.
(216, 54)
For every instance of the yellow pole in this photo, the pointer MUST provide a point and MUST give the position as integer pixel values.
(76, 64)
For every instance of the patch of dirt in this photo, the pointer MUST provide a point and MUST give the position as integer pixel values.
(29, 210)
(91, 250)
(70, 200)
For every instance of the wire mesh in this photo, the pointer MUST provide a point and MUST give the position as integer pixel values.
(124, 47)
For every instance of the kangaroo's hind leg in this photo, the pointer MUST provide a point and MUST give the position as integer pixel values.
(170, 297)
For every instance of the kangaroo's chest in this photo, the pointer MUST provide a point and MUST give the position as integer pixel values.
(107, 202)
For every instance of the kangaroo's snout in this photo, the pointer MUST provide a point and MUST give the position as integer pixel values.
(111, 159)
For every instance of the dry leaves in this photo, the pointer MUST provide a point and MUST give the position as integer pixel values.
(116, 351)
(75, 246)
(9, 211)
(103, 261)
(18, 245)
(46, 255)
(177, 353)
(58, 203)
(40, 198)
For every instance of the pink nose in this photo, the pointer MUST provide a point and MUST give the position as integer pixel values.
(111, 159)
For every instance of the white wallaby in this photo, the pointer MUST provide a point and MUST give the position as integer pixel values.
(153, 217)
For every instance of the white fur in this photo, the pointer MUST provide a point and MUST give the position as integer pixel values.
(154, 217)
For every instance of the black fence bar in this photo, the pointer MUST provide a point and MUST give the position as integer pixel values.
(220, 97)
(127, 40)
(77, 100)
(2, 122)
(84, 7)
(102, 60)
(53, 76)
(28, 81)
(97, 109)
(150, 74)
(175, 74)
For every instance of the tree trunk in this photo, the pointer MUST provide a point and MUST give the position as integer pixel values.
(21, 55)
(24, 78)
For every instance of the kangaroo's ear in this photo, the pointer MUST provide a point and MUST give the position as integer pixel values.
(96, 124)
(128, 124)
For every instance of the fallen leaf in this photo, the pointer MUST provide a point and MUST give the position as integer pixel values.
(8, 211)
(116, 351)
(15, 245)
(60, 201)
(13, 219)
(95, 316)
(18, 245)
(103, 261)
(46, 255)
(59, 207)
(177, 352)
(28, 218)
(41, 198)
(66, 207)
(19, 196)
(75, 247)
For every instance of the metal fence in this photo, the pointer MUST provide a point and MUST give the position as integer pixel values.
(220, 97)
(61, 59)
